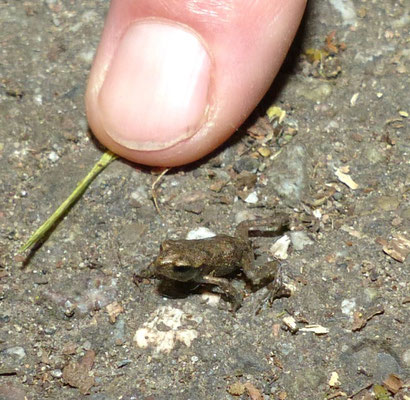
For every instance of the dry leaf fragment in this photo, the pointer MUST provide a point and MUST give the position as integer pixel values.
(393, 383)
(253, 392)
(352, 232)
(218, 185)
(337, 394)
(380, 392)
(353, 99)
(275, 112)
(316, 55)
(280, 248)
(236, 389)
(3, 274)
(334, 380)
(275, 329)
(345, 169)
(69, 349)
(77, 374)
(360, 320)
(114, 310)
(264, 151)
(290, 322)
(277, 362)
(346, 179)
(397, 248)
(317, 329)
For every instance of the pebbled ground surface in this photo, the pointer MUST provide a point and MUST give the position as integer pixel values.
(74, 324)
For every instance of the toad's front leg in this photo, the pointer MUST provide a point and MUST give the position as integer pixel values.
(233, 295)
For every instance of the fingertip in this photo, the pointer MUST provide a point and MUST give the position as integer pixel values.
(168, 90)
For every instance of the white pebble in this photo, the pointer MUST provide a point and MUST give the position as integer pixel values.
(252, 198)
(200, 233)
(280, 248)
(53, 156)
(348, 305)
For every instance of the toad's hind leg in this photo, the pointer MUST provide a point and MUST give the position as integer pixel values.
(275, 290)
(278, 222)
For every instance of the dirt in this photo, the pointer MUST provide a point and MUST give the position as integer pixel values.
(73, 321)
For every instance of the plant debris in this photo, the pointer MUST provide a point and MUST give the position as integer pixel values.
(360, 320)
(253, 392)
(77, 374)
(398, 248)
(236, 389)
(114, 310)
(317, 329)
(346, 179)
(393, 383)
(334, 380)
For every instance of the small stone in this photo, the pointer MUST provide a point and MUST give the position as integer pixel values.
(195, 207)
(200, 233)
(346, 179)
(317, 92)
(16, 351)
(123, 363)
(406, 358)
(87, 345)
(69, 308)
(56, 373)
(264, 151)
(353, 99)
(244, 215)
(246, 164)
(236, 389)
(290, 323)
(139, 196)
(114, 309)
(288, 175)
(38, 99)
(280, 248)
(388, 203)
(118, 334)
(300, 240)
(53, 156)
(373, 154)
(252, 198)
(334, 380)
(357, 137)
(10, 392)
(371, 294)
(50, 330)
(348, 305)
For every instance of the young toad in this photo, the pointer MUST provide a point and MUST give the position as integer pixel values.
(207, 261)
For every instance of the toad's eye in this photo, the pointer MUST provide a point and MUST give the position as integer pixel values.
(181, 269)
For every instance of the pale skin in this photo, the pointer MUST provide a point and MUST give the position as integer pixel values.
(239, 46)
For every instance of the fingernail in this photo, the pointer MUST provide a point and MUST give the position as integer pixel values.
(155, 92)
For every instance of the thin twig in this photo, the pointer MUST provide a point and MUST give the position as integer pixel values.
(153, 192)
(105, 160)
